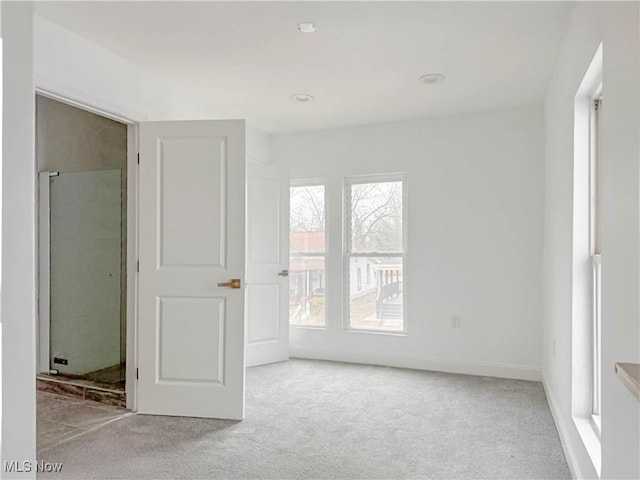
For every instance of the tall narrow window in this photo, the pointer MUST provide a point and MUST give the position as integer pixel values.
(586, 280)
(375, 240)
(594, 250)
(307, 256)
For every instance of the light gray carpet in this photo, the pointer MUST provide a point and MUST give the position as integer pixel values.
(310, 419)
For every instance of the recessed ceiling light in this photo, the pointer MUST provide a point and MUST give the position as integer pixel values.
(302, 98)
(431, 79)
(307, 27)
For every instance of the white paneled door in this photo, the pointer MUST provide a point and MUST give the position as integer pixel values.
(267, 293)
(192, 258)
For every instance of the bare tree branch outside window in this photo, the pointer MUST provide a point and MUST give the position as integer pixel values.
(307, 209)
(376, 217)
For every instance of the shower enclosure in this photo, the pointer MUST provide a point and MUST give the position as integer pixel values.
(82, 276)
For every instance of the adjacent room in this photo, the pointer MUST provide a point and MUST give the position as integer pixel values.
(320, 240)
(82, 160)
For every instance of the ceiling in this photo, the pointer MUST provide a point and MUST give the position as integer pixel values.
(361, 64)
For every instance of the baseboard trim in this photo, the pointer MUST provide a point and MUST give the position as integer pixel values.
(565, 439)
(485, 369)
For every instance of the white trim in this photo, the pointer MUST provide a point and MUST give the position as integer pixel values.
(377, 254)
(62, 93)
(309, 182)
(583, 363)
(590, 439)
(565, 438)
(595, 222)
(449, 365)
(19, 232)
(44, 271)
(392, 333)
(311, 327)
(132, 268)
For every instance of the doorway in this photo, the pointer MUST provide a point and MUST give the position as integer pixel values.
(178, 175)
(82, 165)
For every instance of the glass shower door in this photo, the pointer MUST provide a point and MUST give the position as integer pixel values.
(87, 328)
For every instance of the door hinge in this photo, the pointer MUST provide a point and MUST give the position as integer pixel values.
(138, 159)
(137, 373)
(138, 266)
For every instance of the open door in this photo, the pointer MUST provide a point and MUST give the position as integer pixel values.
(191, 253)
(267, 300)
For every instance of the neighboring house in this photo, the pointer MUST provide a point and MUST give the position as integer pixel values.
(306, 277)
(372, 279)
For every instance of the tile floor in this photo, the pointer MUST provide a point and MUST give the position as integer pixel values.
(60, 418)
(84, 389)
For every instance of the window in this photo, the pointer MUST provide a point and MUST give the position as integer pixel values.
(307, 256)
(586, 257)
(594, 250)
(375, 239)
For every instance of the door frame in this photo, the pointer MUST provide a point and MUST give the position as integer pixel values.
(42, 323)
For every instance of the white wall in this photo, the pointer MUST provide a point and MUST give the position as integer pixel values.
(475, 207)
(616, 26)
(18, 239)
(73, 67)
(69, 65)
(258, 144)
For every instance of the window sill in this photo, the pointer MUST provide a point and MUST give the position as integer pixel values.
(308, 327)
(591, 440)
(391, 333)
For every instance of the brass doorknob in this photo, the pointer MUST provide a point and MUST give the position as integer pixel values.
(234, 283)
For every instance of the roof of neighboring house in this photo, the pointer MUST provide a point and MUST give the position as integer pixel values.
(307, 242)
(301, 264)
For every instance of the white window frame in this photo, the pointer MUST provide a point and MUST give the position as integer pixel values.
(585, 363)
(347, 254)
(595, 133)
(315, 182)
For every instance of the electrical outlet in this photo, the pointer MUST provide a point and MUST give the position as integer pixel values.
(455, 321)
